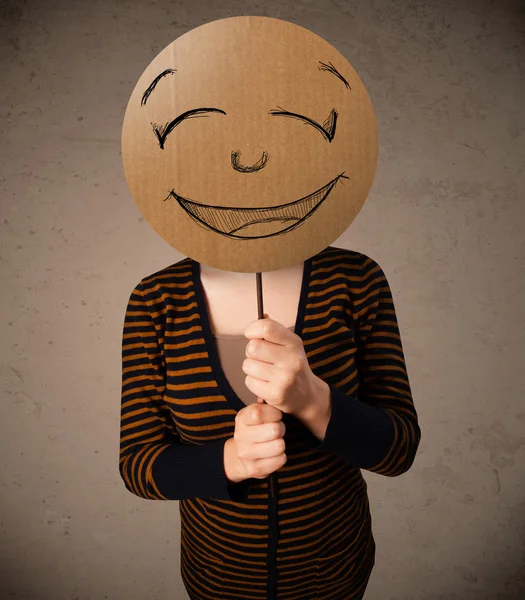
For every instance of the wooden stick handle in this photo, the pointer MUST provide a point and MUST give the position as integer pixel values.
(260, 311)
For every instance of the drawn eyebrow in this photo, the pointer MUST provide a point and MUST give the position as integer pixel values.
(151, 87)
(329, 68)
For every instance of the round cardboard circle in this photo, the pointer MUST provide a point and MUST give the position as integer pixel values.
(249, 144)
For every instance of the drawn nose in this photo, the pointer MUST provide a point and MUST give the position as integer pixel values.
(248, 169)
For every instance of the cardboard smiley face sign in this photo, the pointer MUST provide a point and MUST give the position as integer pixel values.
(249, 144)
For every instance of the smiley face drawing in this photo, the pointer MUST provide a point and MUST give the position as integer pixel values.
(249, 144)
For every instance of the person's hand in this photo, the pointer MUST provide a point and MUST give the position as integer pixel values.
(277, 369)
(259, 441)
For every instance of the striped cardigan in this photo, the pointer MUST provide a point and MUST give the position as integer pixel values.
(305, 531)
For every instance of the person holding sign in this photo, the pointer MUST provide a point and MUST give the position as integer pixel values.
(250, 144)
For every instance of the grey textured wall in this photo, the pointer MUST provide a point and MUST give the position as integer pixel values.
(445, 220)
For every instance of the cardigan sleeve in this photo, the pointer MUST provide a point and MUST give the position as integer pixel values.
(377, 429)
(153, 461)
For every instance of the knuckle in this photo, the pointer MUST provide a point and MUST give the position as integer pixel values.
(268, 328)
(294, 367)
(287, 380)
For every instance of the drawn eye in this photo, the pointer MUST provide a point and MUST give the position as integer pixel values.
(162, 131)
(327, 128)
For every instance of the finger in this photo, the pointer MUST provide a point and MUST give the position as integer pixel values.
(258, 388)
(271, 414)
(266, 351)
(269, 330)
(258, 369)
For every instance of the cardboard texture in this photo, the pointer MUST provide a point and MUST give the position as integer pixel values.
(249, 144)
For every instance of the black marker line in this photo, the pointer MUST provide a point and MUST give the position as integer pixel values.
(218, 218)
(254, 168)
(331, 69)
(330, 122)
(146, 94)
(162, 131)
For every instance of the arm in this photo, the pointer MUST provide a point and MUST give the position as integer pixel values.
(378, 429)
(154, 463)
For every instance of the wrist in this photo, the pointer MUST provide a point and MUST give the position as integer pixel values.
(317, 414)
(232, 470)
(320, 401)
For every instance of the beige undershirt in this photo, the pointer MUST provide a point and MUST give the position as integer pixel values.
(232, 352)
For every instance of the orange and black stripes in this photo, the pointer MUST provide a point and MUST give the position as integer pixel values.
(296, 537)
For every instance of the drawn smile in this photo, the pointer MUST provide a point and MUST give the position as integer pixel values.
(254, 223)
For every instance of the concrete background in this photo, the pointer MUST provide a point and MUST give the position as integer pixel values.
(445, 220)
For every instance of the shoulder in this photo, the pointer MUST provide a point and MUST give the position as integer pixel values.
(156, 287)
(158, 292)
(365, 280)
(358, 268)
